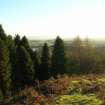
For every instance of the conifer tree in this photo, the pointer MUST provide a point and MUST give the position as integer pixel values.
(17, 40)
(5, 68)
(26, 71)
(14, 67)
(58, 57)
(44, 72)
(25, 43)
(23, 74)
(2, 33)
(9, 42)
(36, 62)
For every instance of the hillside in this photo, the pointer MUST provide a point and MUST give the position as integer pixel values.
(73, 90)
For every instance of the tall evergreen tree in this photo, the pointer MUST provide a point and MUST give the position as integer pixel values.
(44, 72)
(5, 68)
(36, 62)
(15, 64)
(2, 33)
(9, 42)
(58, 57)
(17, 40)
(25, 43)
(23, 72)
(26, 71)
(14, 67)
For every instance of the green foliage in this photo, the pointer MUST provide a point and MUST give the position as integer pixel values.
(77, 100)
(24, 42)
(9, 42)
(2, 33)
(36, 63)
(17, 40)
(58, 57)
(26, 68)
(5, 68)
(44, 72)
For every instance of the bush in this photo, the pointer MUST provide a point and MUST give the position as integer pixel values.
(77, 100)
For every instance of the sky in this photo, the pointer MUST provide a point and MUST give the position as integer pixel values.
(46, 19)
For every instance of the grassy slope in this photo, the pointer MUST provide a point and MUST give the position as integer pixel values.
(48, 92)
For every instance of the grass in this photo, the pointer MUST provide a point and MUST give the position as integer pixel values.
(77, 100)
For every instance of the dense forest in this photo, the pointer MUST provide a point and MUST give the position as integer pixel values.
(22, 67)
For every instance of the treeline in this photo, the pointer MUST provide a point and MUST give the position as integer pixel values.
(85, 57)
(20, 65)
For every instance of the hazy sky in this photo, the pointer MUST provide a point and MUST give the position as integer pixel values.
(49, 18)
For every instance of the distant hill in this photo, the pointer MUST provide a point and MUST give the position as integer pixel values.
(39, 43)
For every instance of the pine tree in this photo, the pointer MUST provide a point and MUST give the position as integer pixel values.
(26, 71)
(17, 40)
(36, 62)
(58, 57)
(14, 67)
(9, 42)
(23, 72)
(25, 43)
(2, 33)
(5, 68)
(44, 72)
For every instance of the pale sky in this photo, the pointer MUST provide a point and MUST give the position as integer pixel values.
(48, 18)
